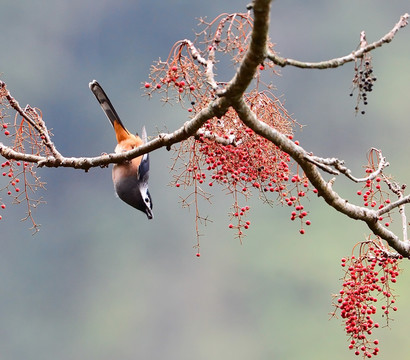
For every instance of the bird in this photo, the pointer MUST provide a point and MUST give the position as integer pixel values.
(130, 178)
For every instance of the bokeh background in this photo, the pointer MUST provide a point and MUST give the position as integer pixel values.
(101, 282)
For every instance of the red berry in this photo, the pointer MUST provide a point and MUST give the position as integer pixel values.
(302, 231)
(198, 254)
(4, 126)
(3, 206)
(6, 133)
(147, 85)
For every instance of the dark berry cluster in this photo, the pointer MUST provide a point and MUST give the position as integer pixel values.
(366, 283)
(363, 80)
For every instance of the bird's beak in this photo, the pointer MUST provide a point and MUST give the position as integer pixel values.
(149, 213)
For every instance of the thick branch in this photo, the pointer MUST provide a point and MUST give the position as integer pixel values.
(370, 217)
(190, 128)
(256, 53)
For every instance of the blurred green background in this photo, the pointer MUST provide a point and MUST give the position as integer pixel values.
(99, 281)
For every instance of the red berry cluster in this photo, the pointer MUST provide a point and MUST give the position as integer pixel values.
(188, 76)
(4, 127)
(21, 180)
(8, 171)
(246, 161)
(12, 171)
(226, 152)
(238, 213)
(366, 283)
(373, 194)
(250, 160)
(22, 190)
(179, 80)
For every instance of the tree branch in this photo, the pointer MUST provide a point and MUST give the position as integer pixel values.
(326, 164)
(233, 96)
(190, 128)
(324, 188)
(30, 115)
(333, 63)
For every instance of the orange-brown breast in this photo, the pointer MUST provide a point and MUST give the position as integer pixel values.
(126, 142)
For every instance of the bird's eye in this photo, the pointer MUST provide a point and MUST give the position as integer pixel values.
(147, 200)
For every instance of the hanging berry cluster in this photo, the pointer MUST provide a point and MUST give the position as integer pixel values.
(364, 78)
(188, 75)
(377, 189)
(366, 290)
(19, 179)
(226, 152)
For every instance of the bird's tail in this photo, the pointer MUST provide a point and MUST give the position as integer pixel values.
(107, 107)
